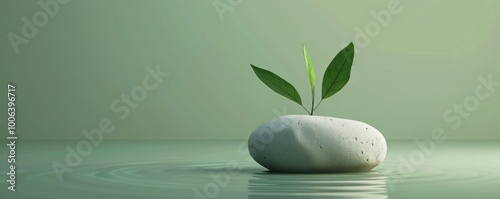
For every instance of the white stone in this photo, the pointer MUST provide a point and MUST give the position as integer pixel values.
(308, 144)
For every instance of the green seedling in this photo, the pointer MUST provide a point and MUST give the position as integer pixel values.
(336, 76)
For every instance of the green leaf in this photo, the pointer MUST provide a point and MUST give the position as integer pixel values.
(277, 84)
(338, 72)
(310, 68)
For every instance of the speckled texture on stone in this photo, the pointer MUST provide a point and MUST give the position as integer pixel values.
(308, 144)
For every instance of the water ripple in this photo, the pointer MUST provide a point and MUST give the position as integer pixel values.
(176, 177)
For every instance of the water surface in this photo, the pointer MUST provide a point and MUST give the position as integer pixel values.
(224, 169)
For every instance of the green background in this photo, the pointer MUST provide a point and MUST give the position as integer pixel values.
(428, 58)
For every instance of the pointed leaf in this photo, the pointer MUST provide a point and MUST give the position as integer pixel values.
(338, 72)
(277, 84)
(310, 69)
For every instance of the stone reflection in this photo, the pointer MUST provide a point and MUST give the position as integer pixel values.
(267, 185)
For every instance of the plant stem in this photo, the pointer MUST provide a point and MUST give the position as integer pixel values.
(316, 106)
(306, 109)
(312, 103)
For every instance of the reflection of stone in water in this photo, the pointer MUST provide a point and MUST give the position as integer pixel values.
(346, 185)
